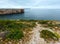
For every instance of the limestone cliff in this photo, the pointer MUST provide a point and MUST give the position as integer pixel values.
(11, 11)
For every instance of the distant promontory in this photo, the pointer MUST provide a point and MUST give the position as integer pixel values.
(11, 11)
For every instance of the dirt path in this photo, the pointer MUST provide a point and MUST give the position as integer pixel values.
(35, 37)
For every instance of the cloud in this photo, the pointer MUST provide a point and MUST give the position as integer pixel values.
(29, 3)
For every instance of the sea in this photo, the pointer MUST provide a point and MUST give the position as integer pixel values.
(35, 14)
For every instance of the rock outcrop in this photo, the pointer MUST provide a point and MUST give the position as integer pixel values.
(11, 11)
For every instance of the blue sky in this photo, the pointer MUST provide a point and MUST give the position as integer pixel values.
(29, 3)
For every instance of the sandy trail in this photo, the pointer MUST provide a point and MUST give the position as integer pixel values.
(35, 37)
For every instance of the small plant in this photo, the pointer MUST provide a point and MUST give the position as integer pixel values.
(47, 35)
(15, 34)
(43, 22)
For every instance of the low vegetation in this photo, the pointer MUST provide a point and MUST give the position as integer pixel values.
(49, 35)
(14, 30)
(48, 23)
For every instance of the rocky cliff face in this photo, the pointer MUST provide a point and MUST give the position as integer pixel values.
(11, 11)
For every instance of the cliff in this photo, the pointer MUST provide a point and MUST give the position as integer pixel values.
(11, 11)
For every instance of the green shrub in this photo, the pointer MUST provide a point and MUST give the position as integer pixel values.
(14, 34)
(16, 28)
(49, 35)
(43, 22)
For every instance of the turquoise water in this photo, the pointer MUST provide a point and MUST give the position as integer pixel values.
(36, 14)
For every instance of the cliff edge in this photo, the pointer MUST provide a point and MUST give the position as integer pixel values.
(11, 11)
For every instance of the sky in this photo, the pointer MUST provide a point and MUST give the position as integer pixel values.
(30, 4)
